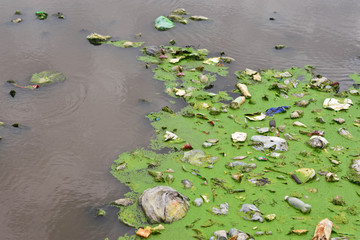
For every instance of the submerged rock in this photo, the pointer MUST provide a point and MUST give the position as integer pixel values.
(152, 50)
(199, 18)
(163, 23)
(179, 11)
(178, 19)
(163, 204)
(97, 39)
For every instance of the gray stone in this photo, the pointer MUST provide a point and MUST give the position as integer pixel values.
(124, 202)
(163, 204)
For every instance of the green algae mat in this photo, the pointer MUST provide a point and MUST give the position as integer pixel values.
(314, 132)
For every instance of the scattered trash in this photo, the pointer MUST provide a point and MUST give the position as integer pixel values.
(298, 204)
(321, 83)
(332, 177)
(237, 176)
(268, 142)
(17, 20)
(41, 15)
(238, 137)
(302, 103)
(295, 178)
(280, 46)
(318, 142)
(306, 174)
(323, 230)
(198, 202)
(163, 204)
(297, 114)
(222, 210)
(252, 213)
(163, 23)
(187, 184)
(170, 136)
(263, 130)
(299, 124)
(197, 158)
(101, 212)
(235, 104)
(125, 44)
(336, 104)
(199, 18)
(59, 15)
(320, 119)
(178, 19)
(270, 217)
(258, 116)
(344, 132)
(244, 90)
(97, 39)
(339, 120)
(209, 116)
(144, 232)
(299, 231)
(338, 200)
(271, 111)
(179, 11)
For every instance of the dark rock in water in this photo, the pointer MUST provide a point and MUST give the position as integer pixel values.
(163, 204)
(12, 93)
(152, 50)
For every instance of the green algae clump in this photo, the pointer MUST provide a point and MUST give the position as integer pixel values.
(47, 77)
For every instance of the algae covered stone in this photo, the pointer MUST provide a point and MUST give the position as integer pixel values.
(164, 204)
(163, 23)
(47, 77)
(98, 39)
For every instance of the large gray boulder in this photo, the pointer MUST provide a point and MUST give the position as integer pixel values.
(164, 204)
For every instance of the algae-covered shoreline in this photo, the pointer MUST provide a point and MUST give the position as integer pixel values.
(189, 73)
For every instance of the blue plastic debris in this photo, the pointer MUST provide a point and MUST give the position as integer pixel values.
(272, 111)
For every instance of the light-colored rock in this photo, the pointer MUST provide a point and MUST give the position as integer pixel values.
(163, 204)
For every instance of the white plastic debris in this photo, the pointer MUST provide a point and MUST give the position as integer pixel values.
(239, 137)
(337, 105)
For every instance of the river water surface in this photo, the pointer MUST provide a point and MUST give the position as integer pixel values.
(54, 169)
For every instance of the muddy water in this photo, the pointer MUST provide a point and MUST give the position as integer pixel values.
(54, 168)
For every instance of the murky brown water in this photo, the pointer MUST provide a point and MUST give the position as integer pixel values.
(55, 168)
